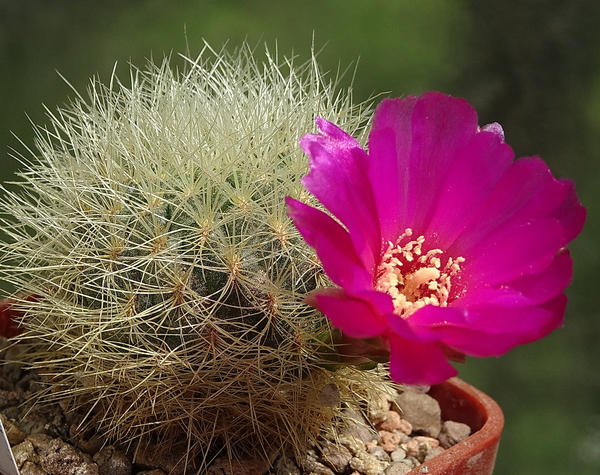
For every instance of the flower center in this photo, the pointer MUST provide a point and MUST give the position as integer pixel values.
(414, 279)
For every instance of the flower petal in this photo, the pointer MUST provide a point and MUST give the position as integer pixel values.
(527, 191)
(571, 213)
(489, 330)
(338, 166)
(525, 291)
(332, 244)
(418, 363)
(513, 252)
(478, 167)
(356, 317)
(428, 131)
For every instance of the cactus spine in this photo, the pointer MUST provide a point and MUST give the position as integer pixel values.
(168, 279)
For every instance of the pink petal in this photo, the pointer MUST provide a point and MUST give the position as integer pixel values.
(492, 330)
(418, 363)
(407, 172)
(356, 317)
(389, 147)
(337, 179)
(478, 167)
(332, 244)
(527, 191)
(524, 291)
(571, 213)
(513, 252)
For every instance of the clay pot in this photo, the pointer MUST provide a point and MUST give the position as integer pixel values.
(475, 455)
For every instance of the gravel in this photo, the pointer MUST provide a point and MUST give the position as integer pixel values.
(401, 432)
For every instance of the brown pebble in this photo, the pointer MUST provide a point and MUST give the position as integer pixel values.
(422, 411)
(13, 433)
(29, 468)
(335, 456)
(434, 452)
(389, 440)
(24, 452)
(397, 455)
(39, 441)
(309, 463)
(391, 422)
(405, 427)
(399, 468)
(452, 433)
(112, 461)
(421, 439)
(380, 454)
(357, 426)
(59, 458)
(412, 448)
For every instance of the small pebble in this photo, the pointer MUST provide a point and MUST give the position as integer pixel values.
(421, 439)
(29, 468)
(310, 463)
(337, 457)
(422, 411)
(112, 461)
(59, 458)
(379, 453)
(398, 455)
(366, 463)
(412, 448)
(389, 440)
(25, 452)
(405, 427)
(358, 427)
(433, 452)
(398, 468)
(391, 422)
(452, 433)
(13, 433)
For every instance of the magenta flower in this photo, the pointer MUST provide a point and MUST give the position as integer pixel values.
(447, 245)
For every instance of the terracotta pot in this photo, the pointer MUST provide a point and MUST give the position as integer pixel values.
(475, 455)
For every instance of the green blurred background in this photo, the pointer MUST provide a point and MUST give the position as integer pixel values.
(532, 65)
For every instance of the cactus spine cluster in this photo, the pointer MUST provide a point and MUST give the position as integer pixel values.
(167, 279)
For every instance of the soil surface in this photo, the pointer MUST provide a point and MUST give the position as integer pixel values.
(400, 431)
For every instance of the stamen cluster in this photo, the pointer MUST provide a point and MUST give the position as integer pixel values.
(413, 278)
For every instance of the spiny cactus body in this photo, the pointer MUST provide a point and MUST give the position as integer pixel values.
(168, 280)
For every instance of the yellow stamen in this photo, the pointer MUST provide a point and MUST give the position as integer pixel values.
(414, 279)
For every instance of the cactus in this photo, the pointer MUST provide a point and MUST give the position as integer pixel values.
(168, 280)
